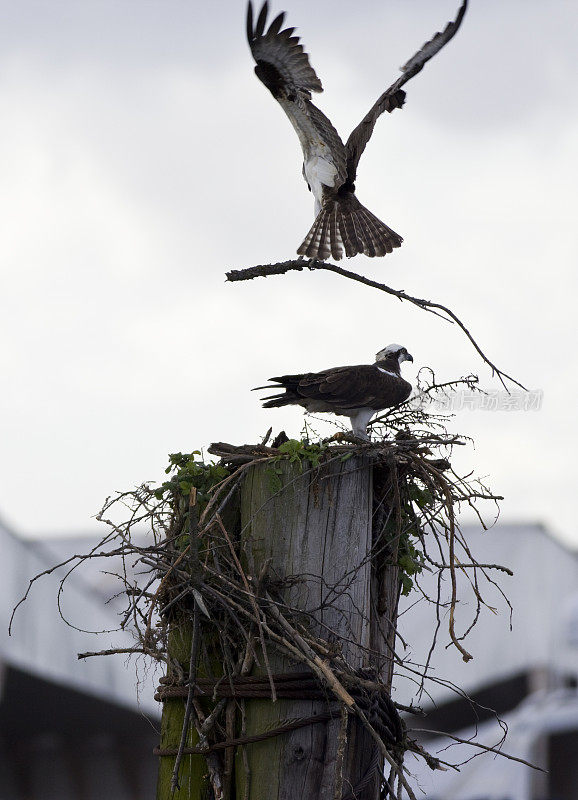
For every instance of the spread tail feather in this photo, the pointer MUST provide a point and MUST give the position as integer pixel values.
(278, 400)
(288, 396)
(344, 224)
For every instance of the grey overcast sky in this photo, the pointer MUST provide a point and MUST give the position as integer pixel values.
(140, 158)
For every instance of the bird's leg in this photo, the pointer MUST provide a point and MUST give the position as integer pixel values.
(359, 422)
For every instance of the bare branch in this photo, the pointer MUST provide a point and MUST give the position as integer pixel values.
(123, 651)
(265, 270)
(479, 745)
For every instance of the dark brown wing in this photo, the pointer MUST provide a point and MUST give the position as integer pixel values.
(394, 97)
(360, 386)
(280, 58)
(343, 387)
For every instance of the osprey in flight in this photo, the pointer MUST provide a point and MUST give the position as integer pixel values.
(354, 392)
(329, 166)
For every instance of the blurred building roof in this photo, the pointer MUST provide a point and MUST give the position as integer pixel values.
(43, 644)
(69, 728)
(521, 679)
(543, 593)
(543, 731)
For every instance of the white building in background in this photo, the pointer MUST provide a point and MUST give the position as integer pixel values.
(69, 729)
(528, 674)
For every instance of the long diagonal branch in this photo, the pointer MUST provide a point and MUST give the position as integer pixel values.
(264, 270)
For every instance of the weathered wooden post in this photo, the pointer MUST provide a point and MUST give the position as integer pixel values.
(309, 538)
(193, 777)
(316, 533)
(192, 780)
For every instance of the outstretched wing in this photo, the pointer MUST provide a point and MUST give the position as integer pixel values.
(281, 60)
(394, 97)
(283, 66)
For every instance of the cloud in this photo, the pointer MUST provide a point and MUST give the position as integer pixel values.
(141, 159)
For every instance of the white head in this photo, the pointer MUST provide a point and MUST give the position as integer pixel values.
(397, 351)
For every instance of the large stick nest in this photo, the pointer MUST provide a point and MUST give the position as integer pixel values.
(188, 571)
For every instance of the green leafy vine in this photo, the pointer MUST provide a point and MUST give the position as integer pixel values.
(188, 472)
(296, 452)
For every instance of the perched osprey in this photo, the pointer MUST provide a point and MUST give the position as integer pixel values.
(330, 166)
(354, 392)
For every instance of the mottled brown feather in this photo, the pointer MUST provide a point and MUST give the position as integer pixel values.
(281, 50)
(394, 97)
(344, 224)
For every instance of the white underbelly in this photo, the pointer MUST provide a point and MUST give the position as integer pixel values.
(319, 172)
